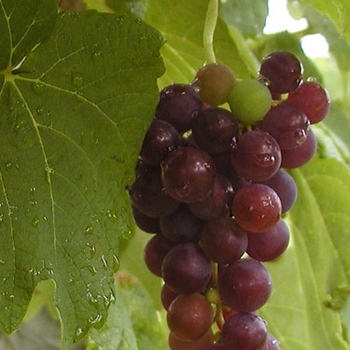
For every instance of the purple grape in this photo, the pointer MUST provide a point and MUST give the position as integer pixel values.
(167, 296)
(216, 346)
(160, 139)
(217, 203)
(257, 156)
(181, 225)
(295, 158)
(186, 269)
(282, 70)
(287, 124)
(176, 343)
(245, 285)
(144, 222)
(188, 174)
(312, 99)
(178, 105)
(154, 252)
(215, 130)
(244, 331)
(190, 316)
(269, 245)
(147, 192)
(223, 241)
(256, 207)
(271, 343)
(285, 187)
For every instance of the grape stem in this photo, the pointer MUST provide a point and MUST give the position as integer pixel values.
(209, 29)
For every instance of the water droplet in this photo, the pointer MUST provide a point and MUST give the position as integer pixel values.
(104, 262)
(92, 300)
(38, 88)
(40, 110)
(35, 222)
(92, 270)
(116, 263)
(79, 334)
(89, 230)
(33, 202)
(97, 56)
(92, 250)
(77, 79)
(97, 320)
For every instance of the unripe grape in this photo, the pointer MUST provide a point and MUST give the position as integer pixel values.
(214, 82)
(249, 101)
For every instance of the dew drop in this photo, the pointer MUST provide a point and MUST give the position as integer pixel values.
(89, 230)
(35, 222)
(116, 263)
(92, 270)
(40, 110)
(92, 250)
(38, 88)
(77, 79)
(79, 334)
(104, 262)
(97, 56)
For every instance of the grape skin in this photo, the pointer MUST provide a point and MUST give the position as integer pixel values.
(256, 207)
(190, 317)
(215, 130)
(282, 70)
(312, 99)
(188, 174)
(185, 269)
(178, 105)
(214, 82)
(245, 285)
(257, 156)
(244, 331)
(249, 101)
(269, 245)
(223, 241)
(287, 124)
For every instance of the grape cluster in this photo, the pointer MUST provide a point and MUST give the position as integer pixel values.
(211, 186)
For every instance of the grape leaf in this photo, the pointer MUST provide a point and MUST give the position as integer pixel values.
(74, 112)
(249, 23)
(338, 11)
(311, 281)
(135, 7)
(181, 23)
(132, 323)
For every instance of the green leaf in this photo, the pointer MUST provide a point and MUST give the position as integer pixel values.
(303, 311)
(135, 7)
(338, 11)
(74, 114)
(23, 27)
(319, 23)
(132, 323)
(181, 23)
(250, 23)
(131, 260)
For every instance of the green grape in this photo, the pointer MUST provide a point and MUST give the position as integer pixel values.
(249, 101)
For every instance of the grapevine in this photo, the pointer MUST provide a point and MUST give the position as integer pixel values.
(212, 187)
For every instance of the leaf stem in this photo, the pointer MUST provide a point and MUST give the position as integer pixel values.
(209, 29)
